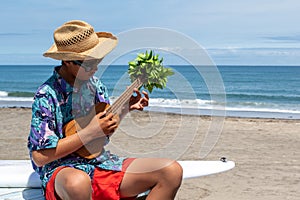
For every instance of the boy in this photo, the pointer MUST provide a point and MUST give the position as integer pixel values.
(71, 92)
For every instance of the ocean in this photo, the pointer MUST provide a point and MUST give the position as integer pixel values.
(239, 91)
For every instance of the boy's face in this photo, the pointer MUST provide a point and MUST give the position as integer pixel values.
(83, 70)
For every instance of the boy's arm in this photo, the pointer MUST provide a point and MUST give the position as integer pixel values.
(98, 127)
(65, 146)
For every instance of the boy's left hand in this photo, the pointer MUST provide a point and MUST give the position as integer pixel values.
(138, 102)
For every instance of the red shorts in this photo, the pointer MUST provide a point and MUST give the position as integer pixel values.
(105, 183)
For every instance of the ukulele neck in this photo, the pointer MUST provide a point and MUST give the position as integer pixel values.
(118, 105)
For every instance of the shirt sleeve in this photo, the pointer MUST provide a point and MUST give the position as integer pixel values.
(44, 133)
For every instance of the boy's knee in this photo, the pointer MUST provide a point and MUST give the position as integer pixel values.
(174, 173)
(76, 184)
(78, 180)
(177, 169)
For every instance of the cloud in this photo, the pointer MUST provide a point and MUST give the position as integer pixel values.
(12, 34)
(294, 38)
(255, 56)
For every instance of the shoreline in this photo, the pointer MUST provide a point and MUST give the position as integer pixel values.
(266, 151)
(194, 112)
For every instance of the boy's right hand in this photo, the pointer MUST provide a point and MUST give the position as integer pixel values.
(103, 124)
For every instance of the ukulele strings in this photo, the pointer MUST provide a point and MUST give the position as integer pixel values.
(124, 97)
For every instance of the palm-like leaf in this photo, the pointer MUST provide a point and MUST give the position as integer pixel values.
(149, 68)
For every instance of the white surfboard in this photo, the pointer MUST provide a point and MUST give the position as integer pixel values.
(19, 181)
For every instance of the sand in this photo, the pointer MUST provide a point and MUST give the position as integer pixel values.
(266, 151)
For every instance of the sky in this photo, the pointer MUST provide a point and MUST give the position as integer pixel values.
(232, 32)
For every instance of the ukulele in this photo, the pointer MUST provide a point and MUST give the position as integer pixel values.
(146, 70)
(94, 148)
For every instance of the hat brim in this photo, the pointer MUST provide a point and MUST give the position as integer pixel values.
(107, 42)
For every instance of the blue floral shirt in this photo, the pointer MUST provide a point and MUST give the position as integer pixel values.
(55, 104)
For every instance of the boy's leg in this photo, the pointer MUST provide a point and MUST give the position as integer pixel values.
(71, 183)
(162, 176)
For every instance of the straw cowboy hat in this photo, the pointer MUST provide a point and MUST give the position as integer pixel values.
(77, 40)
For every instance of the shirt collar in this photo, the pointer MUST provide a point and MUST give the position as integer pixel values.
(65, 86)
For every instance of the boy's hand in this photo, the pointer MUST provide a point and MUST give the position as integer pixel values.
(103, 124)
(138, 102)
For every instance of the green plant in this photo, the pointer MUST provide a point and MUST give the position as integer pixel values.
(149, 68)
